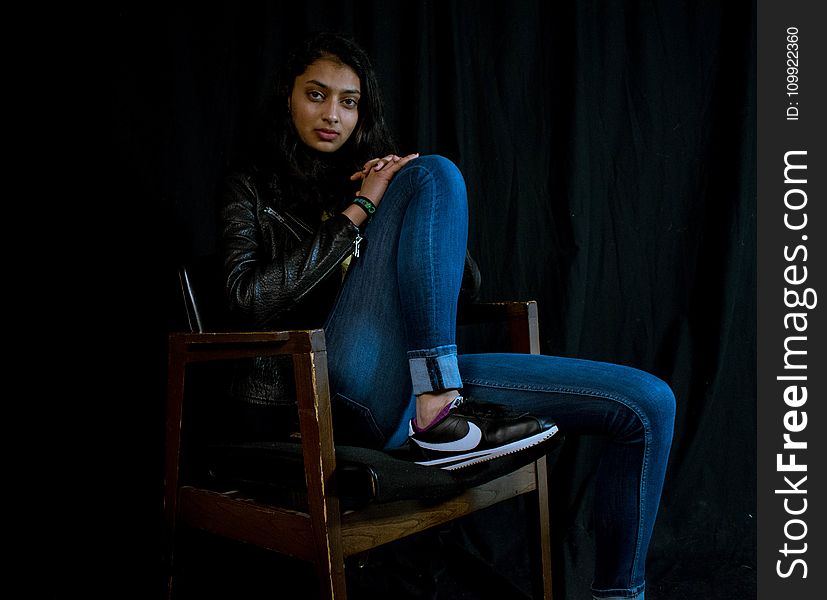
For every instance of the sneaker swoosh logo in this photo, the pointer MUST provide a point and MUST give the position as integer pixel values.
(470, 441)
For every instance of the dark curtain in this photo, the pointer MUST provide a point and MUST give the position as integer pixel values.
(609, 152)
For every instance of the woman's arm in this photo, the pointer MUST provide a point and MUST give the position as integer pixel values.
(266, 278)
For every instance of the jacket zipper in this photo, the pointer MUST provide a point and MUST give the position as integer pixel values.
(282, 220)
(270, 211)
(299, 222)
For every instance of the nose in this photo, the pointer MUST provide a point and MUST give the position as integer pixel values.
(332, 116)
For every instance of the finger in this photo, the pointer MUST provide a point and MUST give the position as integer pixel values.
(404, 161)
(384, 161)
(369, 164)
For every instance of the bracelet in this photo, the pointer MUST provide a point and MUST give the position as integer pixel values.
(365, 204)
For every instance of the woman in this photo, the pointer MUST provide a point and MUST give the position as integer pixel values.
(332, 228)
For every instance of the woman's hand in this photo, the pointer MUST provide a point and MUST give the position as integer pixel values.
(374, 163)
(377, 173)
(370, 164)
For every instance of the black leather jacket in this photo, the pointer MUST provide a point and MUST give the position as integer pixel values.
(282, 271)
(281, 267)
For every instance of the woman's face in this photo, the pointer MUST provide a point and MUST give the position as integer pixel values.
(324, 104)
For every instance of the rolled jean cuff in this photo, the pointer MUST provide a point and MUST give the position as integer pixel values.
(434, 369)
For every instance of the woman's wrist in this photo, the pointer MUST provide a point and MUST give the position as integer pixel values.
(361, 210)
(366, 204)
(357, 216)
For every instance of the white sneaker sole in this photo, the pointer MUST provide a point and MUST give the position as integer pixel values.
(471, 458)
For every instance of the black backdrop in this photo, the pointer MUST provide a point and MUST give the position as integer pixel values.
(609, 151)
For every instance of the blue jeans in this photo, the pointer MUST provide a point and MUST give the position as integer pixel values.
(392, 335)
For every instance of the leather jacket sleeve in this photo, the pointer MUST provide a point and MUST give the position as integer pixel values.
(271, 259)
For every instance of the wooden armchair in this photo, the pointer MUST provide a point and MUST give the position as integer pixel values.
(314, 500)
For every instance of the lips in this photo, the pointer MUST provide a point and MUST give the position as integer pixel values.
(327, 134)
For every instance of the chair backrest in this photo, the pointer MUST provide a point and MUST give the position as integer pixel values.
(194, 321)
(202, 294)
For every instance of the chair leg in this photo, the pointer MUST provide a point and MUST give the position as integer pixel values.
(316, 424)
(545, 525)
(331, 573)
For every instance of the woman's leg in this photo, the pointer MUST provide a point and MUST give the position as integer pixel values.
(394, 323)
(634, 409)
(392, 332)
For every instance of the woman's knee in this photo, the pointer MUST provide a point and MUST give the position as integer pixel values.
(648, 406)
(443, 171)
(436, 163)
(657, 402)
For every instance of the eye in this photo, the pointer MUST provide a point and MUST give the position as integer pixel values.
(350, 102)
(315, 95)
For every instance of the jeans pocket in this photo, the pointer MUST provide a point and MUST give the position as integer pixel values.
(354, 425)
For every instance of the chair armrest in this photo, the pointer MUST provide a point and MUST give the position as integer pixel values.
(487, 312)
(307, 347)
(198, 347)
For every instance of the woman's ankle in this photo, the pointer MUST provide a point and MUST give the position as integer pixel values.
(429, 406)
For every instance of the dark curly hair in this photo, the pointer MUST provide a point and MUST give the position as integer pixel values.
(316, 175)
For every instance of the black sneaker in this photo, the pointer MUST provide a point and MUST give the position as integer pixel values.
(473, 432)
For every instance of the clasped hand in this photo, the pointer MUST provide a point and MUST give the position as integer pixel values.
(377, 173)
